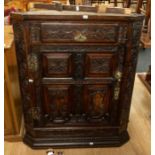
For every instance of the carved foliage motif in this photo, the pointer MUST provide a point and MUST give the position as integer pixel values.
(57, 66)
(99, 65)
(35, 33)
(122, 34)
(57, 31)
(35, 113)
(137, 26)
(32, 61)
(118, 76)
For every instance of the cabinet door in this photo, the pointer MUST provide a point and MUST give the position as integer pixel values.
(97, 101)
(57, 102)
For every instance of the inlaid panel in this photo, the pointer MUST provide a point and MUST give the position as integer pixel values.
(100, 64)
(97, 101)
(56, 102)
(56, 65)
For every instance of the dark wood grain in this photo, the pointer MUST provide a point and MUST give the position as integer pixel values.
(76, 77)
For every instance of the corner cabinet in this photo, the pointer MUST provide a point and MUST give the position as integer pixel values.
(76, 76)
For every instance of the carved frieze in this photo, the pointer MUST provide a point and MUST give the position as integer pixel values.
(67, 32)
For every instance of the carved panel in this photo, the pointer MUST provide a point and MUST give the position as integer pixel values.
(66, 32)
(35, 113)
(32, 60)
(122, 37)
(35, 33)
(57, 103)
(97, 100)
(57, 64)
(100, 64)
(137, 26)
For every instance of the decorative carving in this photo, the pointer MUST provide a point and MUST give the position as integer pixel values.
(99, 65)
(35, 33)
(66, 32)
(75, 48)
(80, 37)
(78, 63)
(57, 65)
(22, 65)
(118, 76)
(32, 61)
(122, 34)
(137, 26)
(58, 103)
(35, 113)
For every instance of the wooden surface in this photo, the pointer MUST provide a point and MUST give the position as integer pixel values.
(12, 104)
(75, 89)
(139, 131)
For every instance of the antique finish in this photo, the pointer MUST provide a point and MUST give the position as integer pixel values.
(76, 76)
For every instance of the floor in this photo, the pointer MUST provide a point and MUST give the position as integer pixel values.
(144, 60)
(139, 130)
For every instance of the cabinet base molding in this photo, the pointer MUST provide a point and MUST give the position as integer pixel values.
(76, 142)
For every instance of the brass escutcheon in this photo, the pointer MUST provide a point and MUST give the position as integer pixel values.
(80, 37)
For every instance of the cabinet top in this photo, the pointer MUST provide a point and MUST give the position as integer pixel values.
(74, 15)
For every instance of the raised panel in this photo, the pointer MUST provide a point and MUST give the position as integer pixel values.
(100, 64)
(57, 65)
(79, 32)
(97, 101)
(56, 102)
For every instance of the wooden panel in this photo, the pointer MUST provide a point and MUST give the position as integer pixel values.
(97, 101)
(75, 32)
(57, 65)
(57, 103)
(100, 64)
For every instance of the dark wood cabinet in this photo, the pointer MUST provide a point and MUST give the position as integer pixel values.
(76, 75)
